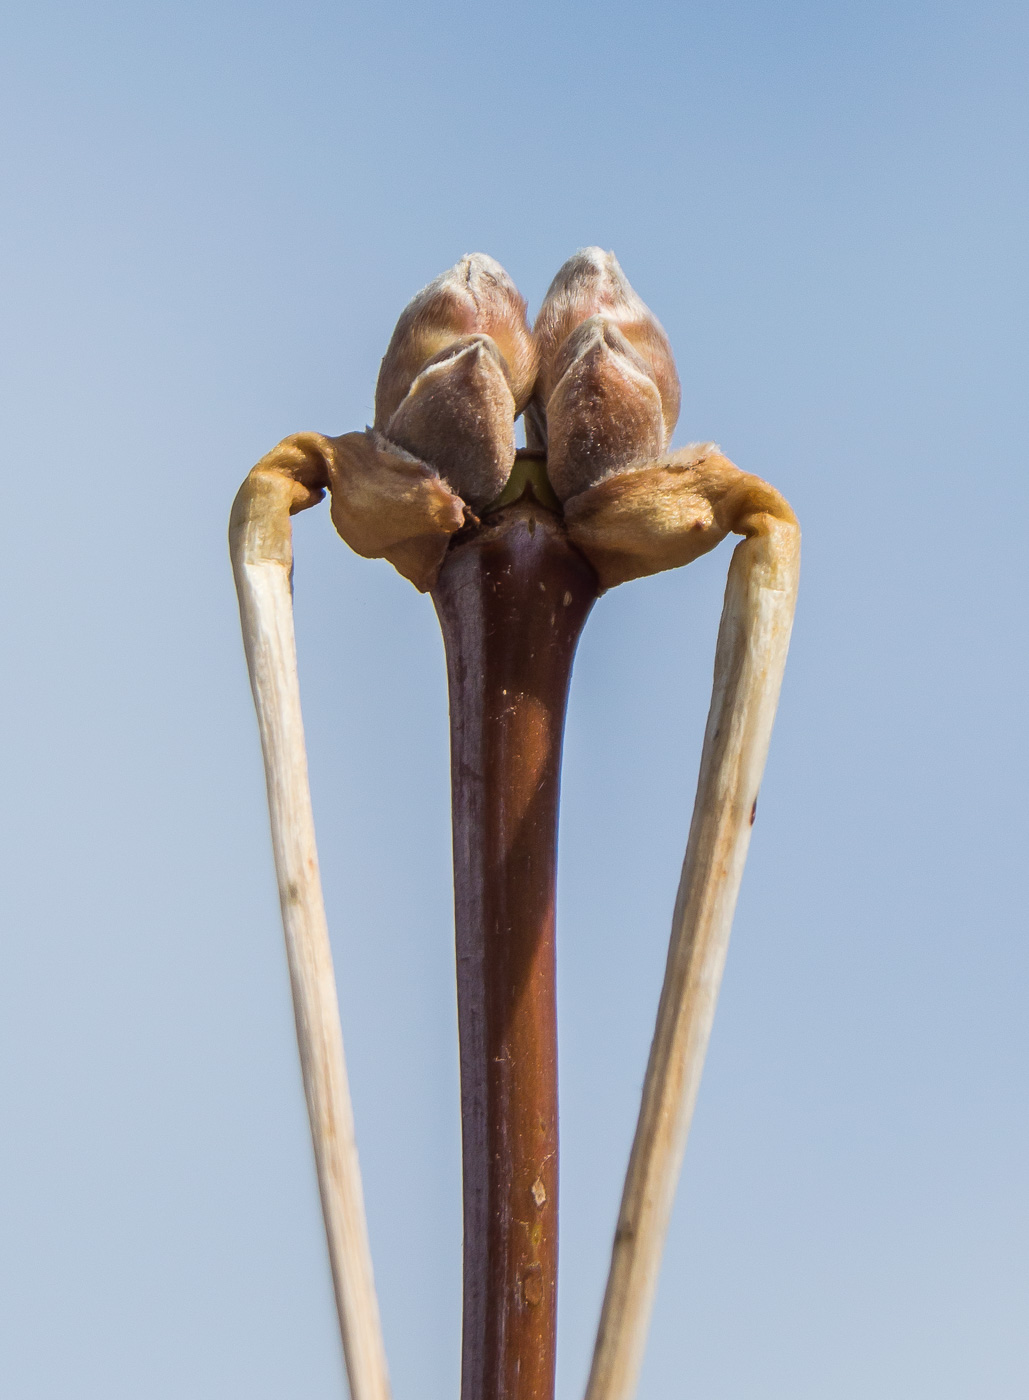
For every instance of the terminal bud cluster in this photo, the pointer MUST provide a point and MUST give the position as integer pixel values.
(596, 380)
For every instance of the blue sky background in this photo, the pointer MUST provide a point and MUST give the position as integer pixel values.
(213, 215)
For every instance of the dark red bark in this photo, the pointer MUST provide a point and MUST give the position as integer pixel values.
(512, 598)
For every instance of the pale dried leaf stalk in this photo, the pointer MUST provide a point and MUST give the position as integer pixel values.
(751, 653)
(287, 480)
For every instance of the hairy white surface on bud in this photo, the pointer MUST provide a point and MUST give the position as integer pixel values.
(589, 284)
(604, 414)
(458, 417)
(474, 297)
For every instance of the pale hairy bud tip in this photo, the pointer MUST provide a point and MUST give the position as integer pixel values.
(474, 297)
(592, 283)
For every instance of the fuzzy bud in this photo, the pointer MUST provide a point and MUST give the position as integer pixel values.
(459, 369)
(458, 416)
(475, 297)
(605, 411)
(592, 284)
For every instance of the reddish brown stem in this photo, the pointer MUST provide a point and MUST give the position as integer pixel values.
(512, 600)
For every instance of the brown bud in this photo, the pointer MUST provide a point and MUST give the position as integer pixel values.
(604, 413)
(458, 417)
(475, 297)
(590, 284)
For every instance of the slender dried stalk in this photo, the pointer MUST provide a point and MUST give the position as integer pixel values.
(260, 545)
(512, 599)
(752, 643)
